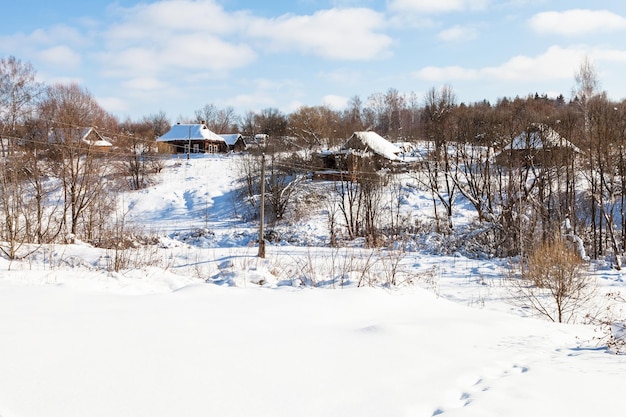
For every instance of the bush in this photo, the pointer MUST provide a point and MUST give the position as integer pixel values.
(553, 282)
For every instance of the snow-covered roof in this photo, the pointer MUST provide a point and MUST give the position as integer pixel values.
(375, 143)
(231, 138)
(60, 135)
(88, 135)
(539, 136)
(102, 143)
(195, 131)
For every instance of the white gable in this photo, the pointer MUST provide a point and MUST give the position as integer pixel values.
(541, 136)
(231, 138)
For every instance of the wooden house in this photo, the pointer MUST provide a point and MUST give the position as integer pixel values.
(363, 153)
(371, 143)
(539, 145)
(193, 138)
(235, 142)
(88, 137)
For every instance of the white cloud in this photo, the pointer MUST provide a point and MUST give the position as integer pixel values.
(158, 40)
(144, 83)
(163, 19)
(458, 34)
(432, 73)
(577, 22)
(611, 55)
(264, 92)
(51, 79)
(555, 63)
(169, 35)
(252, 102)
(58, 34)
(113, 104)
(210, 52)
(42, 43)
(60, 56)
(340, 34)
(342, 76)
(335, 102)
(436, 6)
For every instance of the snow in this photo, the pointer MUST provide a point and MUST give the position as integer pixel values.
(231, 138)
(202, 327)
(540, 136)
(194, 131)
(377, 144)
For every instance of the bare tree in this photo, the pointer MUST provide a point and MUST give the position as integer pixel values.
(282, 181)
(272, 122)
(313, 126)
(586, 89)
(18, 94)
(218, 120)
(352, 119)
(81, 169)
(44, 222)
(249, 171)
(13, 233)
(437, 119)
(20, 198)
(387, 111)
(138, 162)
(359, 198)
(158, 124)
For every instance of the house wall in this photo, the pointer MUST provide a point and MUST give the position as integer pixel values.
(197, 146)
(239, 146)
(540, 157)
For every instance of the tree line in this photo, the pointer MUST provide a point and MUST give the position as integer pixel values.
(518, 203)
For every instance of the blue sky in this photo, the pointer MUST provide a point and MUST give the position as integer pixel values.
(140, 58)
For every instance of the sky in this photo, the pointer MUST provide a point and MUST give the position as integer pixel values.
(139, 58)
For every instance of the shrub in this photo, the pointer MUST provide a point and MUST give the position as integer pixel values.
(553, 282)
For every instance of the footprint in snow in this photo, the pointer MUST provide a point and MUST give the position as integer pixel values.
(477, 386)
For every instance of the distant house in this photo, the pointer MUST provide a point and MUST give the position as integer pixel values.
(372, 143)
(377, 151)
(538, 145)
(235, 142)
(102, 145)
(88, 136)
(193, 138)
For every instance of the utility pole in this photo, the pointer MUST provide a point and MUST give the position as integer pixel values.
(262, 210)
(189, 143)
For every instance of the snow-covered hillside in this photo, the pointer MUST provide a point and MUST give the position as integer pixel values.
(199, 326)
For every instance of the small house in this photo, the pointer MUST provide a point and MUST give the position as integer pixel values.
(88, 136)
(193, 138)
(363, 151)
(538, 145)
(372, 143)
(235, 142)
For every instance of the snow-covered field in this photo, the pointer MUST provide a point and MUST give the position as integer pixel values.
(157, 340)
